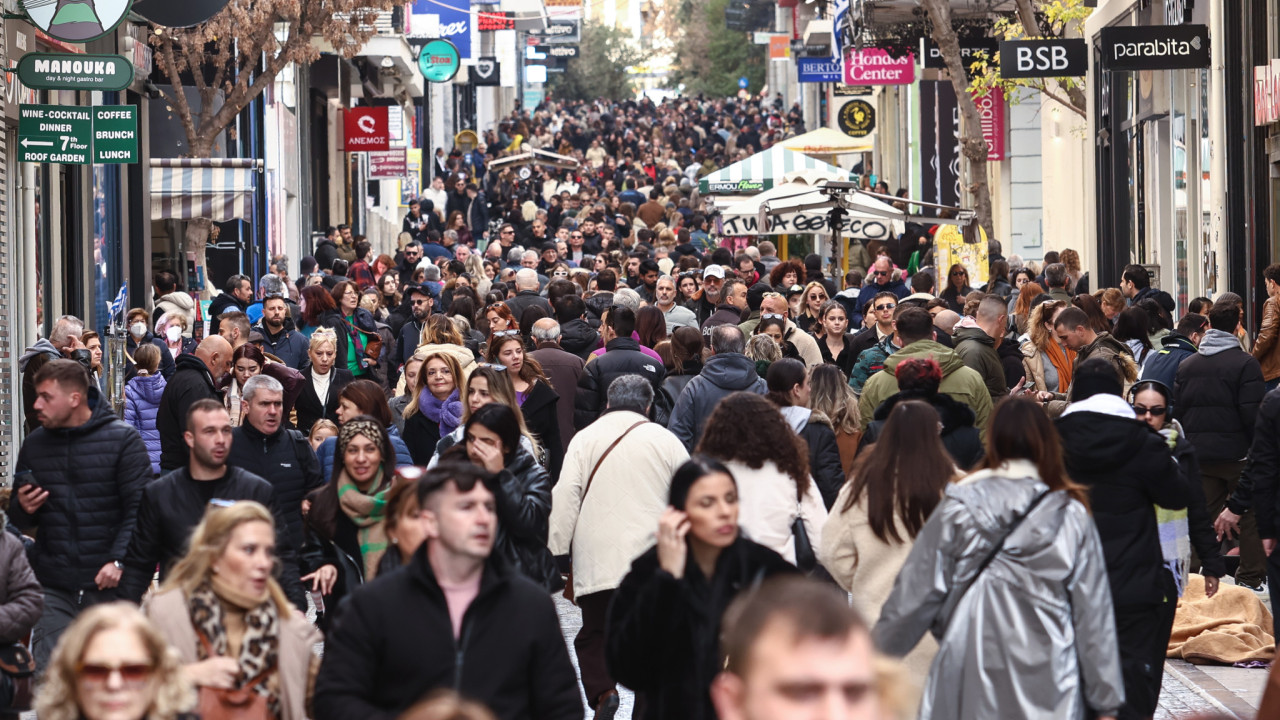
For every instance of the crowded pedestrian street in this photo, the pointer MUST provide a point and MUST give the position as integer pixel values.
(640, 360)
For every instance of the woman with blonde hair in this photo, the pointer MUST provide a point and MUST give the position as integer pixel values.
(435, 406)
(322, 381)
(814, 296)
(487, 384)
(831, 396)
(439, 335)
(112, 664)
(1079, 279)
(1047, 363)
(1112, 302)
(474, 265)
(223, 611)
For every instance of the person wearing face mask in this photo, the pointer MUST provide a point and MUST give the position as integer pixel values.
(138, 321)
(172, 327)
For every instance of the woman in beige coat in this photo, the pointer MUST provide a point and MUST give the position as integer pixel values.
(225, 614)
(875, 519)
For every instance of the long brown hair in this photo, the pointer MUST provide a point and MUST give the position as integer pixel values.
(1020, 430)
(904, 474)
(530, 370)
(749, 429)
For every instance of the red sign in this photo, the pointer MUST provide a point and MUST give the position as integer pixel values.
(389, 164)
(367, 129)
(873, 66)
(495, 21)
(991, 109)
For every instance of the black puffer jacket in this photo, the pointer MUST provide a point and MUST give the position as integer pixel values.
(622, 356)
(541, 416)
(1261, 474)
(672, 385)
(579, 338)
(1199, 525)
(959, 434)
(171, 507)
(663, 633)
(226, 302)
(1216, 398)
(284, 459)
(524, 512)
(510, 653)
(824, 455)
(596, 306)
(94, 475)
(191, 382)
(1128, 468)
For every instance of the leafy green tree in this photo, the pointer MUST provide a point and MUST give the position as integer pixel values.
(711, 57)
(600, 70)
(1046, 19)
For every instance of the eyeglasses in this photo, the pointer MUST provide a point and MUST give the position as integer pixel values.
(506, 333)
(959, 273)
(770, 316)
(273, 296)
(1157, 411)
(885, 306)
(768, 295)
(560, 273)
(130, 674)
(494, 366)
(879, 272)
(508, 232)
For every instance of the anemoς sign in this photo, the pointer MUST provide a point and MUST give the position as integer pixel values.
(367, 129)
(1155, 47)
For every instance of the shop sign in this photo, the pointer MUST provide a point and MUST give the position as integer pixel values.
(563, 51)
(559, 31)
(76, 21)
(852, 90)
(857, 118)
(969, 52)
(873, 66)
(187, 13)
(445, 20)
(800, 49)
(1155, 47)
(366, 129)
(817, 69)
(1266, 93)
(69, 71)
(55, 134)
(486, 71)
(1177, 12)
(439, 61)
(736, 186)
(563, 3)
(1067, 57)
(779, 47)
(115, 134)
(388, 164)
(490, 21)
(991, 113)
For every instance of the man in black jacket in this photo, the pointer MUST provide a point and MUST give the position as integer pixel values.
(494, 637)
(1128, 468)
(1216, 394)
(1262, 476)
(237, 293)
(576, 334)
(280, 455)
(173, 504)
(622, 356)
(78, 480)
(195, 379)
(527, 294)
(421, 304)
(276, 334)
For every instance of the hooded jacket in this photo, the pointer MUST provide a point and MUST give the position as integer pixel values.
(1162, 365)
(578, 337)
(1128, 468)
(179, 303)
(824, 456)
(510, 654)
(978, 350)
(959, 435)
(723, 374)
(191, 382)
(141, 405)
(94, 474)
(226, 302)
(1041, 605)
(289, 345)
(32, 359)
(962, 383)
(622, 356)
(1216, 394)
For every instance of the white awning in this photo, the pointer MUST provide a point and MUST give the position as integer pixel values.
(219, 189)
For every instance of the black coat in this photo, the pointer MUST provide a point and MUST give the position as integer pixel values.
(1128, 468)
(1204, 540)
(171, 507)
(1216, 399)
(622, 356)
(94, 474)
(191, 382)
(824, 459)
(285, 459)
(579, 338)
(308, 405)
(226, 302)
(663, 634)
(1163, 364)
(395, 644)
(847, 358)
(421, 434)
(363, 320)
(326, 252)
(526, 299)
(542, 417)
(524, 513)
(959, 434)
(1261, 474)
(672, 385)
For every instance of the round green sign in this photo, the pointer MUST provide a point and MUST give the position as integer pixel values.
(439, 61)
(76, 21)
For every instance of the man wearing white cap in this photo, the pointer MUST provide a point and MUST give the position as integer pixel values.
(709, 298)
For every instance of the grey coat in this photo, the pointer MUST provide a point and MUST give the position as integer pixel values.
(1042, 607)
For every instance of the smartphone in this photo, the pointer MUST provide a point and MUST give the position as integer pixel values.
(21, 478)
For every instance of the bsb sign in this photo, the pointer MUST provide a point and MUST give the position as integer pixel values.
(1155, 47)
(1044, 58)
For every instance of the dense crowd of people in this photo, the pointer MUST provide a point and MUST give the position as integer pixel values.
(757, 481)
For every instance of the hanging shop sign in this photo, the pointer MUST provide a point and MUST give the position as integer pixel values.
(559, 31)
(186, 13)
(563, 51)
(857, 118)
(366, 129)
(69, 71)
(873, 66)
(388, 164)
(852, 90)
(1266, 93)
(491, 21)
(991, 108)
(971, 50)
(1155, 47)
(445, 20)
(817, 70)
(439, 61)
(72, 135)
(486, 71)
(76, 21)
(1068, 57)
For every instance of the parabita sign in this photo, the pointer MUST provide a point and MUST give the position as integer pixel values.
(1155, 47)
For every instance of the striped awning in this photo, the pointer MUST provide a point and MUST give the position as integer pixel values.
(219, 189)
(760, 171)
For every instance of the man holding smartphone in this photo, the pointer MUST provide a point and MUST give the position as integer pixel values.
(79, 479)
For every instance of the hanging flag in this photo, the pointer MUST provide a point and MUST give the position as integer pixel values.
(839, 12)
(118, 304)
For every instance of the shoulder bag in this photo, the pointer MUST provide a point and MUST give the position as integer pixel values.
(235, 704)
(568, 581)
(17, 664)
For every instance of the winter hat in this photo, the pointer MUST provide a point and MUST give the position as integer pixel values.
(1095, 376)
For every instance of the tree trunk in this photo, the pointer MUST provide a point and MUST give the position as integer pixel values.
(972, 145)
(1030, 26)
(196, 238)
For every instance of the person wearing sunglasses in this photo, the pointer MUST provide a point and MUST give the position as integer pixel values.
(881, 277)
(956, 288)
(112, 664)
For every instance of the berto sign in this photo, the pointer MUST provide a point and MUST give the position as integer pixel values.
(1157, 47)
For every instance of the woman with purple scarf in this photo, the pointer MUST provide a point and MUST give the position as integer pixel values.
(435, 407)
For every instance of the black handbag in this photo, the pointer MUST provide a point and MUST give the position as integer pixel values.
(806, 558)
(17, 664)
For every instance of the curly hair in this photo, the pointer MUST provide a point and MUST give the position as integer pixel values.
(781, 269)
(749, 429)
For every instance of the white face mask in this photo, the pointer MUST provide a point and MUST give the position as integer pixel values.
(173, 332)
(137, 330)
